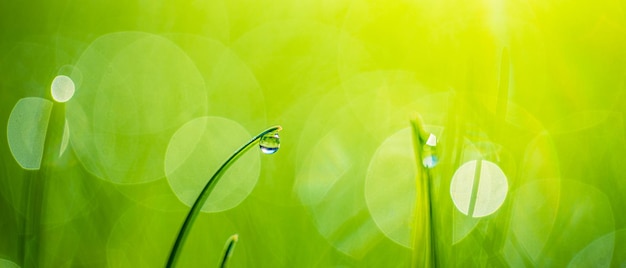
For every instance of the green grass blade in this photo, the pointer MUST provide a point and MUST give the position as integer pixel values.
(228, 249)
(206, 191)
(424, 254)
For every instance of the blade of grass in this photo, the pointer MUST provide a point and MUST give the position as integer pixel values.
(37, 186)
(228, 249)
(424, 254)
(206, 191)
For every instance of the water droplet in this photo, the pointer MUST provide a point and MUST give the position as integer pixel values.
(270, 143)
(429, 152)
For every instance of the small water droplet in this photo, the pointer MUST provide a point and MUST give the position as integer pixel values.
(429, 152)
(270, 143)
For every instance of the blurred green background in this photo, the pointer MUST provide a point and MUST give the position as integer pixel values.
(166, 90)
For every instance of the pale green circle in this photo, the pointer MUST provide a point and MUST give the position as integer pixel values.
(534, 213)
(535, 204)
(4, 263)
(390, 97)
(198, 149)
(330, 182)
(299, 57)
(585, 216)
(600, 252)
(334, 153)
(390, 186)
(492, 188)
(72, 72)
(62, 88)
(597, 254)
(137, 89)
(26, 130)
(561, 223)
(229, 80)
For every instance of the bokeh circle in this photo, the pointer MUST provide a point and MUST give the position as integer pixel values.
(137, 89)
(198, 149)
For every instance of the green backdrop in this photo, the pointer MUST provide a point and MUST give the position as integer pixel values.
(525, 99)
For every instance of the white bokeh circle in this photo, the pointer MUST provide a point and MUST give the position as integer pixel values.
(478, 188)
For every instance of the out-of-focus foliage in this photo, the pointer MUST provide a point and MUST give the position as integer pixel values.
(529, 93)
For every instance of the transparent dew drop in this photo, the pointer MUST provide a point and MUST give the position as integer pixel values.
(270, 143)
(429, 152)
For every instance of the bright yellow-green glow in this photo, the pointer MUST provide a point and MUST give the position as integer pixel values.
(535, 87)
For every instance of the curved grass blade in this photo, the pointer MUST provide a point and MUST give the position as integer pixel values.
(206, 191)
(228, 249)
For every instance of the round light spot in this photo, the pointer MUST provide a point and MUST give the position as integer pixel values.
(4, 263)
(62, 88)
(534, 213)
(136, 90)
(72, 72)
(330, 183)
(26, 131)
(229, 79)
(390, 187)
(198, 149)
(478, 188)
(598, 253)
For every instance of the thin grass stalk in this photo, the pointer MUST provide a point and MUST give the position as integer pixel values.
(206, 191)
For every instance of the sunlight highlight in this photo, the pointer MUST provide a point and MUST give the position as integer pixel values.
(62, 88)
(478, 188)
